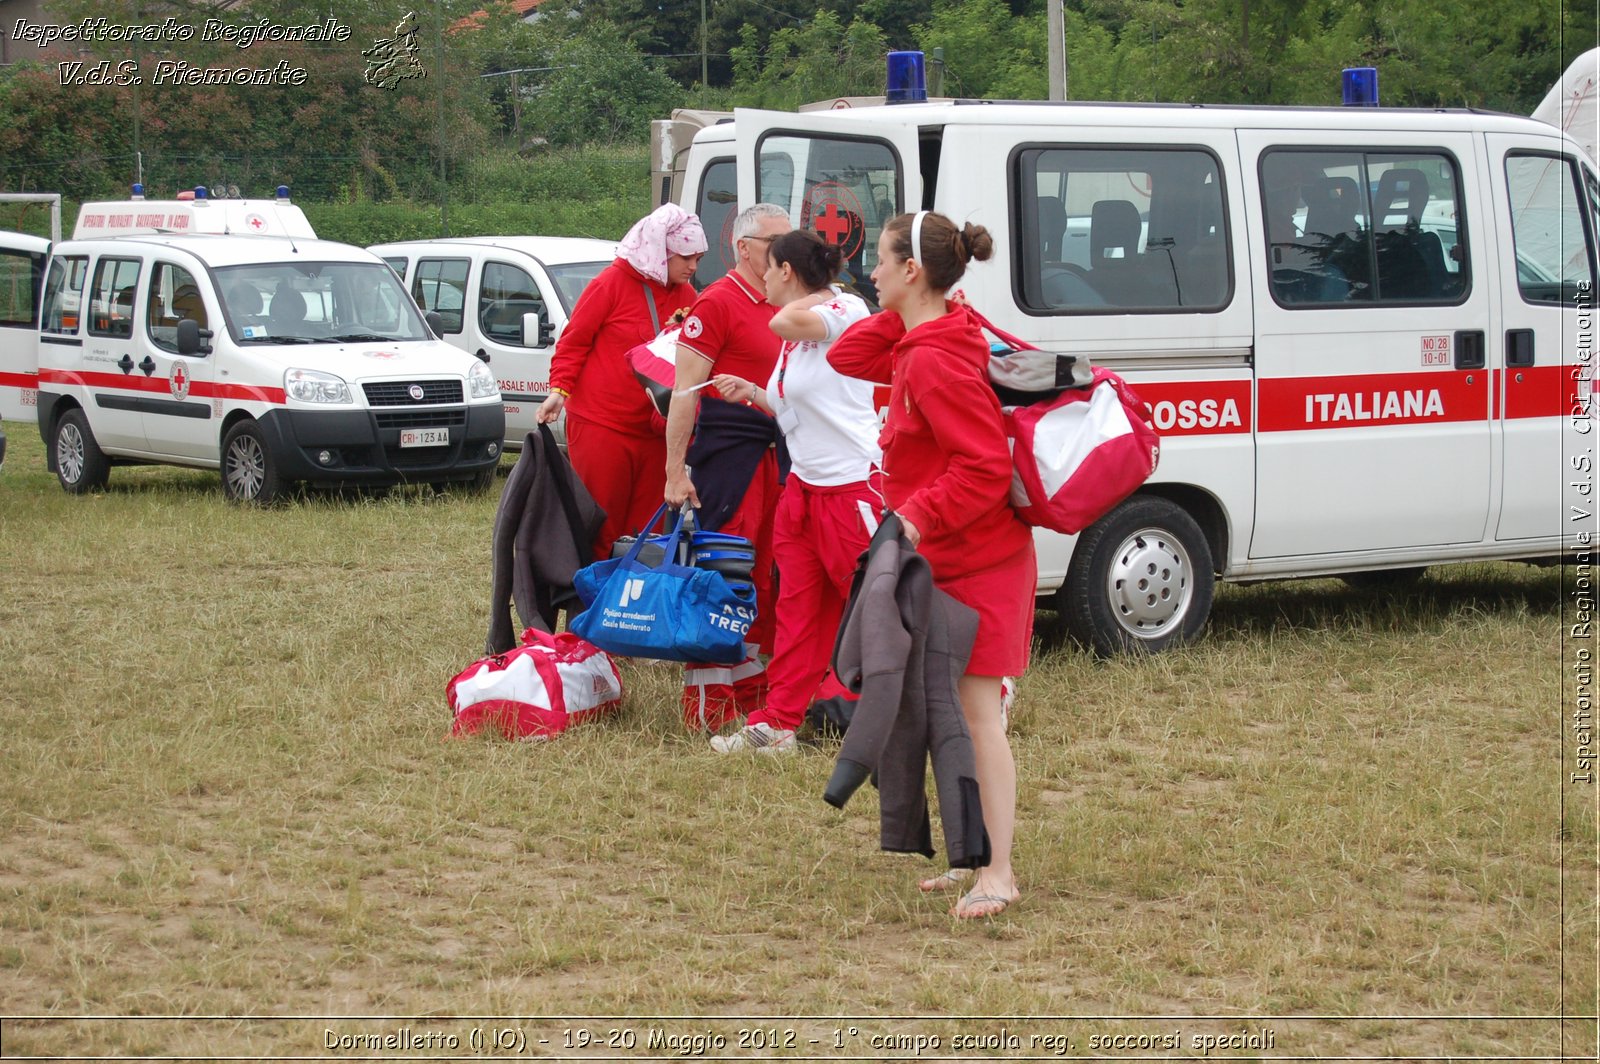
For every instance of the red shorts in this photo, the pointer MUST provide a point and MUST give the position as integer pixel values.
(1003, 597)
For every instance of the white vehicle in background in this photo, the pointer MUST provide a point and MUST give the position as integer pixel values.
(504, 299)
(22, 264)
(226, 336)
(1364, 332)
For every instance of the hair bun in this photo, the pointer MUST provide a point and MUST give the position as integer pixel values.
(974, 242)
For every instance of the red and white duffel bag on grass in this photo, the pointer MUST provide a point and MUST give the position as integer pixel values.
(1077, 455)
(536, 690)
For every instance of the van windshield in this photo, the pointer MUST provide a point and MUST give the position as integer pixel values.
(317, 302)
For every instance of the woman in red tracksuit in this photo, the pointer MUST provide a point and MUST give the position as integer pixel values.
(947, 474)
(614, 436)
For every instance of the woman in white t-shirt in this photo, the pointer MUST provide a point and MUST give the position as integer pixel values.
(829, 506)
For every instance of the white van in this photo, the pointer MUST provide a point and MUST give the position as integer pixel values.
(22, 263)
(274, 359)
(504, 299)
(1366, 333)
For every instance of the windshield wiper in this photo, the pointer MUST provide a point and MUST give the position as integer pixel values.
(281, 340)
(362, 338)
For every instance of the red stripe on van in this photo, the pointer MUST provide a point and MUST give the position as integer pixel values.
(245, 393)
(1543, 391)
(19, 380)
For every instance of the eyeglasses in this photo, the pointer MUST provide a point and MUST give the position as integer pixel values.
(763, 239)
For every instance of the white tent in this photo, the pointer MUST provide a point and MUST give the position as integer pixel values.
(1572, 104)
(1546, 218)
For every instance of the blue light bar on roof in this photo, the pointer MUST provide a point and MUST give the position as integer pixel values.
(905, 81)
(1361, 86)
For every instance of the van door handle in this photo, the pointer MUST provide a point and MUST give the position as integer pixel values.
(1519, 347)
(1469, 349)
(148, 365)
(125, 363)
(483, 356)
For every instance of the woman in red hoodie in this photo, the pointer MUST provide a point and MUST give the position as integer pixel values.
(614, 437)
(947, 474)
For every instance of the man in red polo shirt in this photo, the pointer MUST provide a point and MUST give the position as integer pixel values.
(733, 456)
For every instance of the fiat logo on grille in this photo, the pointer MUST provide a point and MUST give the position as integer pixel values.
(416, 392)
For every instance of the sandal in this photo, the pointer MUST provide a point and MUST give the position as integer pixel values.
(963, 909)
(949, 879)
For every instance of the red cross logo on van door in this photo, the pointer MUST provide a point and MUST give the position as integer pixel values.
(180, 380)
(831, 226)
(833, 212)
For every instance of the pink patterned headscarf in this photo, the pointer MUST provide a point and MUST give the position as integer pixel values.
(667, 230)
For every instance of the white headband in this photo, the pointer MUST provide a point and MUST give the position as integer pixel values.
(916, 236)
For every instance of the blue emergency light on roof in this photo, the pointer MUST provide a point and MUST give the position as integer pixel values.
(905, 81)
(1361, 86)
(138, 191)
(200, 193)
(283, 193)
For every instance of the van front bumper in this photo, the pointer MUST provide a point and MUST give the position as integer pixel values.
(355, 447)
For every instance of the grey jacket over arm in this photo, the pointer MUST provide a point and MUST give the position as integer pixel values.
(544, 530)
(903, 646)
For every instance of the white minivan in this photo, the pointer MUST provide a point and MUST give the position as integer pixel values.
(504, 299)
(22, 262)
(274, 359)
(1366, 333)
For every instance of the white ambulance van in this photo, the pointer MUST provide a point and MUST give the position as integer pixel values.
(22, 262)
(1366, 333)
(504, 299)
(224, 335)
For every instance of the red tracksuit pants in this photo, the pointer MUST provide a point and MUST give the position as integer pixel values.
(818, 534)
(716, 695)
(627, 475)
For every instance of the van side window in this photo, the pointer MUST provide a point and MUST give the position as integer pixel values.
(507, 293)
(63, 295)
(842, 188)
(111, 298)
(716, 203)
(21, 275)
(397, 263)
(1555, 263)
(1359, 227)
(174, 296)
(441, 285)
(1103, 230)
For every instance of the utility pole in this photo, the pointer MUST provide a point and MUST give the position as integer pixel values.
(704, 81)
(1058, 51)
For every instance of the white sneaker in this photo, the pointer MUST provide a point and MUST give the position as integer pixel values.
(760, 738)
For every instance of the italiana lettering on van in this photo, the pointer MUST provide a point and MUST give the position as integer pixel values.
(1331, 407)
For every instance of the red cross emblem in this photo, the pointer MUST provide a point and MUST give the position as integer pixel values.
(832, 226)
(180, 380)
(256, 222)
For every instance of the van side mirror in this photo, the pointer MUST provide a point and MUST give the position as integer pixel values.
(532, 330)
(435, 324)
(192, 339)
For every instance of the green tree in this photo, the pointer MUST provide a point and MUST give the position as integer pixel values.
(603, 90)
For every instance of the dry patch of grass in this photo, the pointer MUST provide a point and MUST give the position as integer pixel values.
(225, 791)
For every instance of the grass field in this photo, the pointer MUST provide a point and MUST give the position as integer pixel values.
(1341, 820)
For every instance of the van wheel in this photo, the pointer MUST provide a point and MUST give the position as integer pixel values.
(81, 465)
(1385, 579)
(248, 471)
(1140, 579)
(482, 481)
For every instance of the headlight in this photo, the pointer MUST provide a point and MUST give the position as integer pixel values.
(480, 382)
(315, 386)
